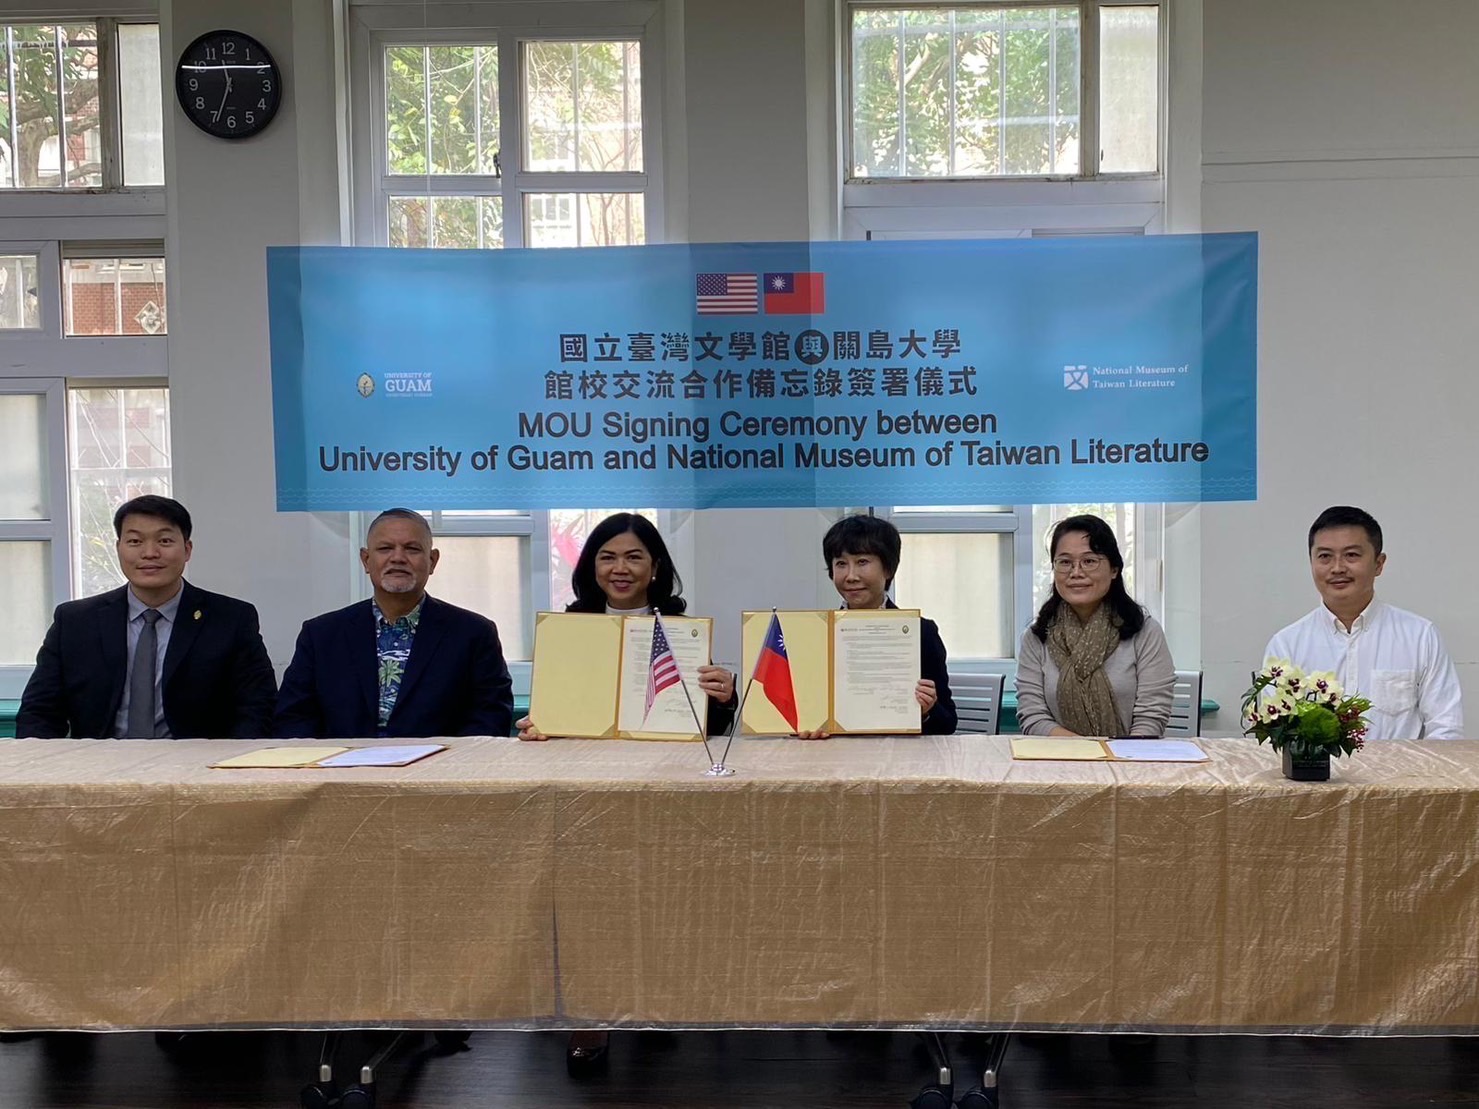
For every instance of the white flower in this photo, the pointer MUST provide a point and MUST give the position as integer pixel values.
(1325, 684)
(1277, 707)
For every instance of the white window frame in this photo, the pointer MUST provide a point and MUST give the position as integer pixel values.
(1088, 203)
(56, 529)
(372, 27)
(1088, 90)
(375, 26)
(116, 220)
(113, 197)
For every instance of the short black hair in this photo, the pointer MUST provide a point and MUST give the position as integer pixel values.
(1345, 516)
(163, 508)
(398, 514)
(863, 535)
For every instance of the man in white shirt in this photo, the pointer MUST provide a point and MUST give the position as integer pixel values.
(1393, 657)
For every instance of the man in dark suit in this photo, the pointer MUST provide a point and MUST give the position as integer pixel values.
(401, 665)
(157, 658)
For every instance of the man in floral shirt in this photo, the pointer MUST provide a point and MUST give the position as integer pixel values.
(402, 664)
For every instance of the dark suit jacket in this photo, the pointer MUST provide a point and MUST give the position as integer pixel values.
(217, 680)
(455, 683)
(941, 719)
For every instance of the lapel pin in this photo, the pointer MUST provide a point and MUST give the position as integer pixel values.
(197, 614)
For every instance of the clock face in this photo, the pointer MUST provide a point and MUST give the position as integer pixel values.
(228, 84)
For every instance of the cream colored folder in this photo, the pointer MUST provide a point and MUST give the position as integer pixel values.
(810, 637)
(280, 758)
(572, 681)
(578, 678)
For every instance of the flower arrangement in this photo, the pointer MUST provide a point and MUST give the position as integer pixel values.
(1308, 713)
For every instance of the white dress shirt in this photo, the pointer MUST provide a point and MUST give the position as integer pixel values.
(1393, 657)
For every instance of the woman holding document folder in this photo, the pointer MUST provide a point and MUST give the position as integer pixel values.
(1094, 662)
(624, 569)
(861, 553)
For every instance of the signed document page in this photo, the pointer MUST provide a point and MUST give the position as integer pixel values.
(875, 668)
(671, 717)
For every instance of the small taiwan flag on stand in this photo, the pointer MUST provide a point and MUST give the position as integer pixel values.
(795, 294)
(773, 672)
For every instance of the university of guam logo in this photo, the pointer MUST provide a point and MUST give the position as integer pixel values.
(365, 385)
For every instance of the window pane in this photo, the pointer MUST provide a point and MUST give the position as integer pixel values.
(36, 98)
(139, 86)
(1120, 517)
(441, 103)
(26, 568)
(119, 448)
(455, 101)
(1129, 61)
(583, 101)
(405, 109)
(472, 222)
(49, 134)
(20, 306)
(488, 574)
(23, 493)
(114, 296)
(963, 582)
(969, 92)
(83, 145)
(584, 219)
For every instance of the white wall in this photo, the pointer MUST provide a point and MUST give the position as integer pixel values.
(227, 202)
(1345, 135)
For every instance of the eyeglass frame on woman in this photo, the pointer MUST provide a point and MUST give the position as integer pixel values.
(1089, 564)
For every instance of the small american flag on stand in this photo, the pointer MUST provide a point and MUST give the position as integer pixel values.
(662, 671)
(728, 294)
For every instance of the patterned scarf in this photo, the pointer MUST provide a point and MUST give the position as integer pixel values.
(1085, 701)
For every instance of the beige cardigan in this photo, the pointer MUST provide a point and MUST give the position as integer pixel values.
(1140, 672)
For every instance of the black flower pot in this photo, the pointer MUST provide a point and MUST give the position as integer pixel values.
(1305, 765)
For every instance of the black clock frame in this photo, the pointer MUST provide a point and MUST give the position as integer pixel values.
(202, 117)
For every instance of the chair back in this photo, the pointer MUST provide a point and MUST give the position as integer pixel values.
(1186, 705)
(977, 702)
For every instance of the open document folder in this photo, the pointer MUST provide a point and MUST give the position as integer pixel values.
(590, 676)
(849, 671)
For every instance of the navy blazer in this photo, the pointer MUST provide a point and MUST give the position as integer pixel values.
(455, 683)
(217, 680)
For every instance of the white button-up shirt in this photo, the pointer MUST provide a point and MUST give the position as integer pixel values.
(1393, 657)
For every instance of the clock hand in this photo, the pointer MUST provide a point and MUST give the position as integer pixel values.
(224, 97)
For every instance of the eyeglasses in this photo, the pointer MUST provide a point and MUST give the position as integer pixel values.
(1089, 564)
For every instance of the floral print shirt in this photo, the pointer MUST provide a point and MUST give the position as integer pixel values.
(392, 650)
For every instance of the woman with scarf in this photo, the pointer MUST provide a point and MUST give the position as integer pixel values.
(1094, 663)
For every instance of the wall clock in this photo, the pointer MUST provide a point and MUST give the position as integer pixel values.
(228, 84)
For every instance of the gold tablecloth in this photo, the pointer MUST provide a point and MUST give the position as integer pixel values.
(912, 881)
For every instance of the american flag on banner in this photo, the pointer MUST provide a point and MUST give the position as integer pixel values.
(662, 671)
(728, 294)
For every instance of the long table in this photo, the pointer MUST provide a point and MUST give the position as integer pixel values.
(913, 881)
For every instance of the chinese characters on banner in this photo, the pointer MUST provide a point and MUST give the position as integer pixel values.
(766, 375)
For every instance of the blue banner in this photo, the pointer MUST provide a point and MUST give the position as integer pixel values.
(754, 375)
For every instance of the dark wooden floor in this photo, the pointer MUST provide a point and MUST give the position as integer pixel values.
(731, 1069)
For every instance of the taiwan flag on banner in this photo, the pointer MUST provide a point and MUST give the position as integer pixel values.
(773, 672)
(795, 294)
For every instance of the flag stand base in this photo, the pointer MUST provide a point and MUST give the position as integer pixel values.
(718, 770)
